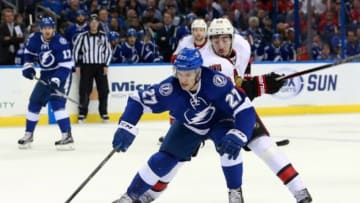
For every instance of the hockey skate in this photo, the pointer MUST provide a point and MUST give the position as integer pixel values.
(146, 198)
(66, 143)
(25, 142)
(235, 196)
(303, 196)
(126, 199)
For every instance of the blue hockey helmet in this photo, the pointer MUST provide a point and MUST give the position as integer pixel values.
(131, 32)
(47, 22)
(188, 59)
(276, 36)
(113, 35)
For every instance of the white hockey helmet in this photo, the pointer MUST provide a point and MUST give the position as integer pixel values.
(199, 23)
(220, 26)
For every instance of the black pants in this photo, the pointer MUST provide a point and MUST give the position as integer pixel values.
(89, 72)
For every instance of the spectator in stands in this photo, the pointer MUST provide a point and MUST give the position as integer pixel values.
(352, 45)
(11, 36)
(326, 53)
(165, 37)
(70, 10)
(150, 20)
(104, 20)
(79, 26)
(153, 4)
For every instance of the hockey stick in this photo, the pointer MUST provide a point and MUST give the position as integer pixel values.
(59, 93)
(91, 176)
(339, 62)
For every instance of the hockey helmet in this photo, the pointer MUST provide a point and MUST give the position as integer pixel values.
(131, 33)
(220, 26)
(188, 59)
(47, 22)
(113, 35)
(199, 23)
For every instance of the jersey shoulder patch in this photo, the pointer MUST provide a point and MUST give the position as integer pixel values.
(166, 89)
(219, 80)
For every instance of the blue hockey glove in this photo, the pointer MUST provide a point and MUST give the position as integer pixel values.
(124, 136)
(28, 71)
(232, 142)
(54, 83)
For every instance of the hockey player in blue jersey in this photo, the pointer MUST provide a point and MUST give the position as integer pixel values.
(205, 105)
(114, 39)
(52, 52)
(131, 48)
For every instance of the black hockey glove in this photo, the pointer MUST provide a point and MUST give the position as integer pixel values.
(262, 84)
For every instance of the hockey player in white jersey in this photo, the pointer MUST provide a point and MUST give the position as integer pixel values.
(229, 53)
(52, 52)
(197, 39)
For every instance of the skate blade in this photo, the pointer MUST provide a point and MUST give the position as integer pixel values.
(24, 146)
(65, 147)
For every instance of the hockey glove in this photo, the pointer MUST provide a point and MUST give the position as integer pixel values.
(28, 71)
(124, 136)
(232, 142)
(267, 84)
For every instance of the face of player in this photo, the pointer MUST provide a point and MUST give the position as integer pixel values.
(187, 79)
(199, 35)
(131, 40)
(47, 33)
(221, 44)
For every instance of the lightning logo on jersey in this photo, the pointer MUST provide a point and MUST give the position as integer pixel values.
(201, 113)
(46, 58)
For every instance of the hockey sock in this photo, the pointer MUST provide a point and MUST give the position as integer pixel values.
(233, 176)
(32, 116)
(157, 189)
(158, 165)
(63, 120)
(276, 160)
(61, 115)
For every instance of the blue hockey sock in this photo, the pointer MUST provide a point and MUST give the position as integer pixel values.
(137, 187)
(32, 116)
(233, 176)
(64, 125)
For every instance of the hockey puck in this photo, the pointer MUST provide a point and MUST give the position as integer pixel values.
(161, 139)
(283, 142)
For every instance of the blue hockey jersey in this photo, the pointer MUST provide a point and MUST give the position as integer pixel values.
(54, 57)
(215, 100)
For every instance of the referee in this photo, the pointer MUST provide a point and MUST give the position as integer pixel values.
(92, 56)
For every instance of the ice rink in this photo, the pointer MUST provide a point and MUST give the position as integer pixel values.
(325, 149)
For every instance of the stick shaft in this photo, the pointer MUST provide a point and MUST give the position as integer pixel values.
(90, 176)
(59, 93)
(346, 60)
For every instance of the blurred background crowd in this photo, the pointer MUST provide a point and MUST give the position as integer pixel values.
(295, 29)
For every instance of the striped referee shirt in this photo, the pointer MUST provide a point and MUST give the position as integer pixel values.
(92, 49)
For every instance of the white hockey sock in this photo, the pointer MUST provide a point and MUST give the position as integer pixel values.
(265, 148)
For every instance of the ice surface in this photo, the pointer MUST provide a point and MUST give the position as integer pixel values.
(324, 149)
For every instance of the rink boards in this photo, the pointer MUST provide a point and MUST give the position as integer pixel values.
(332, 90)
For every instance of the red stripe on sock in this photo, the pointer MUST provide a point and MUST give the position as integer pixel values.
(287, 173)
(159, 186)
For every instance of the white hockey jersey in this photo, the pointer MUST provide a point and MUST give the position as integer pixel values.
(239, 61)
(188, 42)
